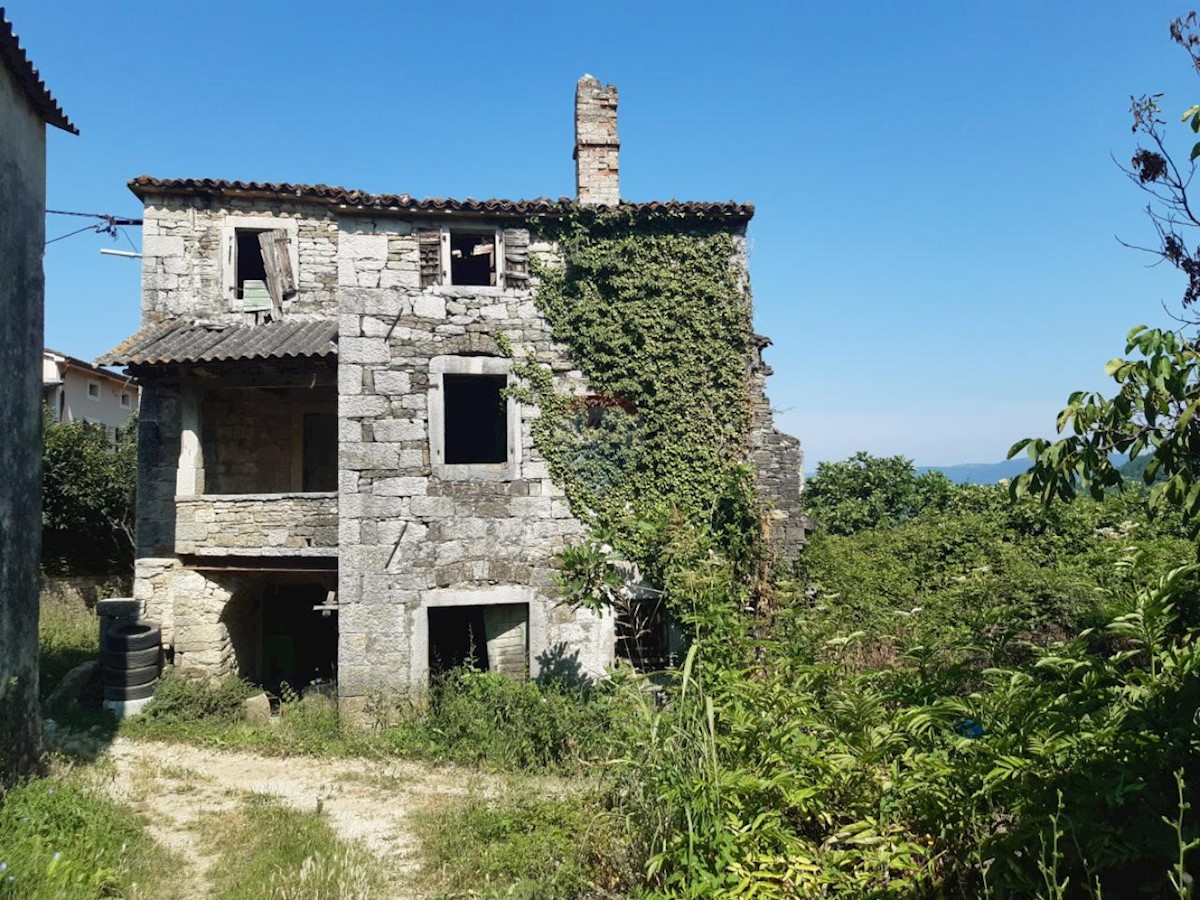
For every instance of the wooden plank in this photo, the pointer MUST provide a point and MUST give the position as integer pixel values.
(270, 255)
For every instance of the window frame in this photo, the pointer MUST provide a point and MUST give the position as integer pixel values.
(445, 269)
(96, 397)
(229, 229)
(440, 366)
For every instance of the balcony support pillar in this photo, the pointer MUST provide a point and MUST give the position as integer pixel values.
(189, 480)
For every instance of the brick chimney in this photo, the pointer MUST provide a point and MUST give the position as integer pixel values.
(596, 143)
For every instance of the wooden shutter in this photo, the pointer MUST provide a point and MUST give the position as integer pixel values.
(277, 260)
(429, 244)
(516, 257)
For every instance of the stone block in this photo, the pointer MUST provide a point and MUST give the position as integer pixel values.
(257, 709)
(392, 382)
(428, 307)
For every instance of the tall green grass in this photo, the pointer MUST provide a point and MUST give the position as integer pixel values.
(60, 837)
(269, 850)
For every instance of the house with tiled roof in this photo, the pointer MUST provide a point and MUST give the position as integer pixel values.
(75, 390)
(337, 480)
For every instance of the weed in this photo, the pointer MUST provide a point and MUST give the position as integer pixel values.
(521, 847)
(266, 849)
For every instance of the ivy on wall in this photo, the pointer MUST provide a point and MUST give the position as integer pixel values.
(653, 313)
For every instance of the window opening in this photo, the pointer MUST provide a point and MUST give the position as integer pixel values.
(93, 390)
(125, 400)
(472, 258)
(320, 452)
(643, 636)
(476, 419)
(251, 277)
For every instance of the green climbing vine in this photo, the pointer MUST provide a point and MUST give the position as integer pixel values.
(654, 315)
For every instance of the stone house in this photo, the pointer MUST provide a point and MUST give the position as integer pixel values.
(334, 482)
(77, 391)
(26, 109)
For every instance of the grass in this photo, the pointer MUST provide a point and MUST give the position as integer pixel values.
(62, 839)
(265, 849)
(69, 635)
(521, 847)
(471, 718)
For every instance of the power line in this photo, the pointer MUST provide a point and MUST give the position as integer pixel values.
(95, 228)
(116, 220)
(110, 225)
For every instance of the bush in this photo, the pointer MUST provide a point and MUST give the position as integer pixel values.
(479, 717)
(180, 700)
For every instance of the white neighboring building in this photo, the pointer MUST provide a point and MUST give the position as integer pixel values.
(78, 391)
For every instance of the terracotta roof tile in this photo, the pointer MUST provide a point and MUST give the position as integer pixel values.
(12, 56)
(145, 185)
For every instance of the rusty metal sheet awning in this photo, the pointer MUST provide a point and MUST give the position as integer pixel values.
(192, 342)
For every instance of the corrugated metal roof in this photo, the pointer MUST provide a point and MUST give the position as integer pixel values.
(12, 56)
(183, 341)
(144, 185)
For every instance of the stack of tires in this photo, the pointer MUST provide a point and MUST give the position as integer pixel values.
(130, 662)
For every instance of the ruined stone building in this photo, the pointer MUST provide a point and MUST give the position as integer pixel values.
(334, 482)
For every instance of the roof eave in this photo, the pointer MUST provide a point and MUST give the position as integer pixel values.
(13, 56)
(352, 202)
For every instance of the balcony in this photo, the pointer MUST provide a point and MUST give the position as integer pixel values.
(291, 524)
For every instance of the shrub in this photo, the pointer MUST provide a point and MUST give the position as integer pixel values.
(180, 700)
(479, 717)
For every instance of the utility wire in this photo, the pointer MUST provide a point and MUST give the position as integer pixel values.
(116, 220)
(110, 225)
(95, 228)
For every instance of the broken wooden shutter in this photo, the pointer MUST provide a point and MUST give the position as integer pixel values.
(277, 261)
(429, 244)
(516, 257)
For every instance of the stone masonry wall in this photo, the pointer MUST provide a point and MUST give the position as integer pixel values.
(257, 524)
(407, 538)
(182, 258)
(247, 441)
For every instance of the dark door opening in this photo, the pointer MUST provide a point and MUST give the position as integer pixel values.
(457, 638)
(299, 644)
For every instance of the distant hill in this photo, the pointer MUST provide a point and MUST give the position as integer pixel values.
(993, 473)
(981, 473)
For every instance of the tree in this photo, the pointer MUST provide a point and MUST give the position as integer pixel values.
(88, 488)
(866, 491)
(1153, 412)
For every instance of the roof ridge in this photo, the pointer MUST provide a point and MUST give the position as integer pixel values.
(143, 185)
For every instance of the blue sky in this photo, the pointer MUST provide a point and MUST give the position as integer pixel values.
(933, 253)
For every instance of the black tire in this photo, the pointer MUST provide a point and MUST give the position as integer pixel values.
(129, 691)
(126, 636)
(129, 677)
(114, 659)
(119, 608)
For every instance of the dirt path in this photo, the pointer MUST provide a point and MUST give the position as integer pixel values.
(365, 801)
